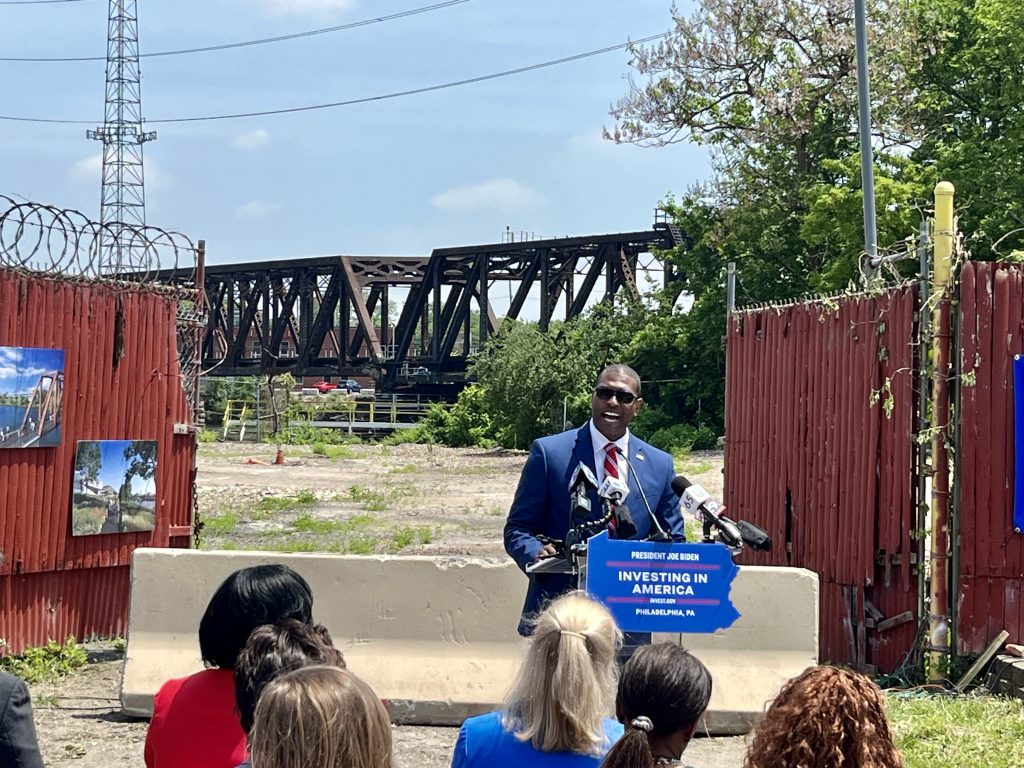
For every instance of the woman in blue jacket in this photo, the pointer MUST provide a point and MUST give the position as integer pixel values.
(557, 712)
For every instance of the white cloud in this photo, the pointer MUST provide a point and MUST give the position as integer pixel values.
(88, 169)
(256, 210)
(251, 140)
(494, 194)
(283, 7)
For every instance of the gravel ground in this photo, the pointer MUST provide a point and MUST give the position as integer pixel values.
(409, 498)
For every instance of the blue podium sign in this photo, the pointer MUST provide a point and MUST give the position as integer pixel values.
(662, 586)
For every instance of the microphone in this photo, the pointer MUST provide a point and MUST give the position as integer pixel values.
(661, 534)
(580, 485)
(695, 500)
(613, 489)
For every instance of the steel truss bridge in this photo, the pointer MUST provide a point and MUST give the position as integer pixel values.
(408, 320)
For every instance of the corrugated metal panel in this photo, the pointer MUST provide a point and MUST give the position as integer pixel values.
(122, 381)
(827, 473)
(991, 554)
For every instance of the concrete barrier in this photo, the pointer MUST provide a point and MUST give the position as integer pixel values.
(435, 636)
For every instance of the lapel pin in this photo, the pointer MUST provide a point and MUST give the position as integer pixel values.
(640, 457)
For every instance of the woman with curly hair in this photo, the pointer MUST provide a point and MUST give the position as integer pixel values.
(825, 718)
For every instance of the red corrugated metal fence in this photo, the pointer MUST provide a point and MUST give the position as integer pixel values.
(819, 450)
(991, 555)
(122, 381)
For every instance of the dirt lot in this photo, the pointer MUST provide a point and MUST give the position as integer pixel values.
(366, 498)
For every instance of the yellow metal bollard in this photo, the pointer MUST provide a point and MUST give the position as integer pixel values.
(939, 612)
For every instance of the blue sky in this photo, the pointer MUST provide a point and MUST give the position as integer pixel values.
(394, 177)
(113, 466)
(20, 367)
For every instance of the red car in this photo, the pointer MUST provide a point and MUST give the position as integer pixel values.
(323, 387)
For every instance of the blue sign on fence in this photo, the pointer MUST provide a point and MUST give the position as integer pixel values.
(1018, 443)
(662, 587)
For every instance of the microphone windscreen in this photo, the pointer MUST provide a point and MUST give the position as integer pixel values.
(680, 484)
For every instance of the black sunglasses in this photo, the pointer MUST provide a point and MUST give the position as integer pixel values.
(624, 396)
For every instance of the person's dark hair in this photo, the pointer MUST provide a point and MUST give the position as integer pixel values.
(625, 371)
(663, 689)
(274, 649)
(248, 598)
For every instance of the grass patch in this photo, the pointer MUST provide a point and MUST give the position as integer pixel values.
(376, 500)
(319, 525)
(46, 662)
(407, 536)
(281, 503)
(952, 732)
(334, 451)
(405, 469)
(220, 525)
(696, 467)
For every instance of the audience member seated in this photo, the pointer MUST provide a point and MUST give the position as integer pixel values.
(18, 745)
(321, 717)
(273, 650)
(194, 723)
(663, 692)
(556, 713)
(825, 718)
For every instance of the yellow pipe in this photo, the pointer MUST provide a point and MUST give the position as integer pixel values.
(939, 613)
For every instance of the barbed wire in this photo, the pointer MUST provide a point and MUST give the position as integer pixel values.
(45, 239)
(66, 245)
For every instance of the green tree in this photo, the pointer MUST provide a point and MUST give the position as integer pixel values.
(88, 459)
(527, 377)
(140, 461)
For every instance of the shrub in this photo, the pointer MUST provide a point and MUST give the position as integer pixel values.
(684, 437)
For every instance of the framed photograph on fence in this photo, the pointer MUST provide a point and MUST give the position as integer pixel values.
(31, 397)
(114, 487)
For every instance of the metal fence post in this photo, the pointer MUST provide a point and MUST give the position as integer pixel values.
(938, 618)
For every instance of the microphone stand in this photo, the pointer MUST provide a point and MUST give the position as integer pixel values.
(661, 535)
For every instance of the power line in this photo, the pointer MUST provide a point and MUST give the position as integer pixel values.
(39, 2)
(365, 99)
(241, 44)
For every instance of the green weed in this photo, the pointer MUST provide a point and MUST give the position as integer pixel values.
(281, 503)
(407, 536)
(220, 525)
(335, 451)
(46, 662)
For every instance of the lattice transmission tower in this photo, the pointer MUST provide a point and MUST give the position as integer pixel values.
(123, 196)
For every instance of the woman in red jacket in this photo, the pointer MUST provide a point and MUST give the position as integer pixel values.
(195, 723)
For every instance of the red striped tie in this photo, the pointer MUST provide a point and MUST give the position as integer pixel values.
(611, 469)
(611, 461)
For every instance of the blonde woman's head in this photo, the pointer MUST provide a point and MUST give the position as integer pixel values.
(320, 717)
(566, 685)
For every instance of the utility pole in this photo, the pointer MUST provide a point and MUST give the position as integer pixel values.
(867, 160)
(123, 195)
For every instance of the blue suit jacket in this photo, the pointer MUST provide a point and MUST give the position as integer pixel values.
(541, 504)
(18, 745)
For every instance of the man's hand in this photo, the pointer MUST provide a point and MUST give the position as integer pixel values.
(546, 551)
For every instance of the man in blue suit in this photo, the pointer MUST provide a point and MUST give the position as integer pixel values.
(542, 504)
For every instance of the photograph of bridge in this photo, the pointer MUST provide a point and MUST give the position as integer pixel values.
(31, 395)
